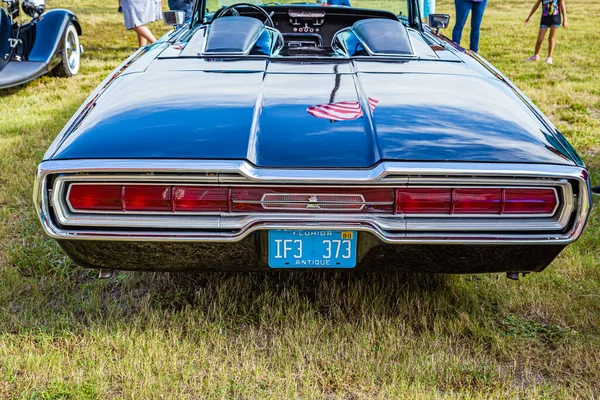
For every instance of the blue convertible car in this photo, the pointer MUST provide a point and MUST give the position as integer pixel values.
(311, 136)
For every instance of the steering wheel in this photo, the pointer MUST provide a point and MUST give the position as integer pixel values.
(232, 9)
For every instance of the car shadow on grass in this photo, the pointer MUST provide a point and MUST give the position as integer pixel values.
(78, 300)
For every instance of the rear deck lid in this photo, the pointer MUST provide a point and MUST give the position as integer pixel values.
(330, 117)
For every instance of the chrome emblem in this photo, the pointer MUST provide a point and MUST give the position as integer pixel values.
(311, 202)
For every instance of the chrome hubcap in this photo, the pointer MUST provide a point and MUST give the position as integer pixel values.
(72, 50)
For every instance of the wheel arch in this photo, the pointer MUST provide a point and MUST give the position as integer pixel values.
(50, 30)
(77, 24)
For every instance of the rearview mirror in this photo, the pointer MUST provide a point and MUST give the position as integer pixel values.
(439, 21)
(174, 18)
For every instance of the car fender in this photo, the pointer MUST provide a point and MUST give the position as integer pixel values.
(475, 61)
(50, 30)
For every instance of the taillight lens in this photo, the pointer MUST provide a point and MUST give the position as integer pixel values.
(475, 201)
(199, 199)
(424, 201)
(147, 198)
(529, 201)
(96, 197)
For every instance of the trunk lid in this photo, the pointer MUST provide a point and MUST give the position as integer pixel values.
(329, 118)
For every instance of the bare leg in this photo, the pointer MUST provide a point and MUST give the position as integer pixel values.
(142, 41)
(145, 33)
(540, 40)
(551, 41)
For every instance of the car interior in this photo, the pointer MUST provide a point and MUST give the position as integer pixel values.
(303, 30)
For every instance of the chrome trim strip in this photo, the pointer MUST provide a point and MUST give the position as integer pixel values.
(382, 174)
(386, 237)
(305, 175)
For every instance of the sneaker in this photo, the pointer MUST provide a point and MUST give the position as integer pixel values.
(533, 58)
(549, 60)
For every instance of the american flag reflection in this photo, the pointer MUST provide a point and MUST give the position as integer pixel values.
(342, 111)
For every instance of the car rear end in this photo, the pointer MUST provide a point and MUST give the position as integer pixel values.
(230, 215)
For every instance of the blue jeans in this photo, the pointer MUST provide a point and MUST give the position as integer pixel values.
(182, 5)
(463, 8)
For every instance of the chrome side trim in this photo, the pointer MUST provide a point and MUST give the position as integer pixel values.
(389, 228)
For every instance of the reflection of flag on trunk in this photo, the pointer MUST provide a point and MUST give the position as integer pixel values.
(342, 111)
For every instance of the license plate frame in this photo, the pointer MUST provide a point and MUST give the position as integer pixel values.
(310, 249)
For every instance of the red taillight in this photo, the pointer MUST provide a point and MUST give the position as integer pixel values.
(198, 199)
(424, 201)
(529, 201)
(285, 199)
(411, 201)
(96, 197)
(147, 198)
(475, 201)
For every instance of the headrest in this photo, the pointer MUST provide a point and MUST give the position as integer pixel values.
(383, 36)
(233, 35)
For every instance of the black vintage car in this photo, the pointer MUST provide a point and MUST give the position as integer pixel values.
(49, 42)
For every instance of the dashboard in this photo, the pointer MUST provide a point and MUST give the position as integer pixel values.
(312, 28)
(306, 21)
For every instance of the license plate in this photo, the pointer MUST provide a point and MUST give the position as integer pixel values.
(312, 249)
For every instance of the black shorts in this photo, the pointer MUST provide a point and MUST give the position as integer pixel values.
(551, 20)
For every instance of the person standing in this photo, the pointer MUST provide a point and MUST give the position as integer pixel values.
(186, 6)
(552, 11)
(137, 14)
(427, 7)
(463, 8)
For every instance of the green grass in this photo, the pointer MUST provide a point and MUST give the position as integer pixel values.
(65, 334)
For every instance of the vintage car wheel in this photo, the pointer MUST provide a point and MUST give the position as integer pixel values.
(71, 56)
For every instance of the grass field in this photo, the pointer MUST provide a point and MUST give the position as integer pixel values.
(65, 334)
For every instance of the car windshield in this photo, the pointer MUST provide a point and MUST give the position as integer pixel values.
(398, 7)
